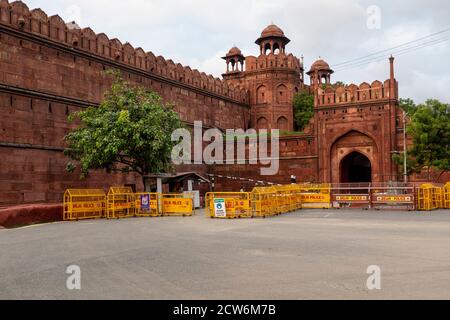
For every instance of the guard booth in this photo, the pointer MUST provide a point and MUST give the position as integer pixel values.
(190, 184)
(120, 203)
(84, 204)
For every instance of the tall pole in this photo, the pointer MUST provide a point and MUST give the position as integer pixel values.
(405, 169)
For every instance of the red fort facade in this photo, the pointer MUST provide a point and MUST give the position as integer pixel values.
(50, 68)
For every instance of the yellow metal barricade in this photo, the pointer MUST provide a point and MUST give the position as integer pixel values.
(147, 205)
(264, 201)
(176, 205)
(287, 198)
(228, 205)
(438, 197)
(120, 203)
(446, 195)
(84, 204)
(429, 197)
(274, 200)
(316, 196)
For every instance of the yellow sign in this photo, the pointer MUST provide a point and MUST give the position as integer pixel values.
(315, 197)
(118, 205)
(232, 205)
(393, 198)
(87, 206)
(177, 205)
(353, 198)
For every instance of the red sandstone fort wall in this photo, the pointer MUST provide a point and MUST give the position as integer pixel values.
(48, 71)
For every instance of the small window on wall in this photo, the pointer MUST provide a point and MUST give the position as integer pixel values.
(282, 124)
(261, 95)
(282, 94)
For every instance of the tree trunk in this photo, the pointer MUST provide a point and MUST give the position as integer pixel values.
(144, 180)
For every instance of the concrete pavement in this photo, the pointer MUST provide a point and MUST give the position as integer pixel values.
(310, 254)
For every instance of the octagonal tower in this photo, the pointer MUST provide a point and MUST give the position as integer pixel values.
(272, 79)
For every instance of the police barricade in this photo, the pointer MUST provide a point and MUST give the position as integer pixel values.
(228, 205)
(429, 197)
(84, 204)
(147, 205)
(446, 195)
(176, 205)
(120, 203)
(282, 200)
(438, 197)
(349, 195)
(393, 196)
(315, 196)
(288, 197)
(264, 201)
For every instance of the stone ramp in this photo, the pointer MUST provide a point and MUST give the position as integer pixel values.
(17, 216)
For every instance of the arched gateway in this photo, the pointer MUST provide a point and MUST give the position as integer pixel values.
(355, 167)
(354, 158)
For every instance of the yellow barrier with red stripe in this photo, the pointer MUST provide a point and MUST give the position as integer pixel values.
(120, 203)
(176, 205)
(84, 204)
(232, 205)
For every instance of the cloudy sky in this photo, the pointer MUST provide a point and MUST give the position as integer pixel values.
(198, 32)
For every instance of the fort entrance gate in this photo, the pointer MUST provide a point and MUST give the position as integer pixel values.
(355, 167)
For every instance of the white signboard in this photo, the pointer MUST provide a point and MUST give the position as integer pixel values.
(219, 208)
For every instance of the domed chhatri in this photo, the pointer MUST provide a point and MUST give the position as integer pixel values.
(320, 65)
(235, 51)
(272, 31)
(320, 73)
(235, 59)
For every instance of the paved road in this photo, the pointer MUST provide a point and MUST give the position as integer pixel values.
(303, 255)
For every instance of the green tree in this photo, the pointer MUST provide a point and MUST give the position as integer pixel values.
(129, 132)
(408, 105)
(430, 130)
(303, 109)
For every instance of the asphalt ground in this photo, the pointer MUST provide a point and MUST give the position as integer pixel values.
(309, 254)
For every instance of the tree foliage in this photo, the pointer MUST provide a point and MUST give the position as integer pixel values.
(430, 130)
(129, 132)
(408, 105)
(303, 109)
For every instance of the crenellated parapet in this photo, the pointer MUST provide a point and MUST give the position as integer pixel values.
(281, 61)
(17, 15)
(328, 95)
